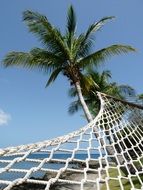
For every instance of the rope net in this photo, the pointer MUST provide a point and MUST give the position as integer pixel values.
(107, 154)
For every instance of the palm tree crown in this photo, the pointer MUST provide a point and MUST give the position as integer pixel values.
(66, 53)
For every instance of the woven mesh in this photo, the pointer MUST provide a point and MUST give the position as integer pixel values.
(105, 154)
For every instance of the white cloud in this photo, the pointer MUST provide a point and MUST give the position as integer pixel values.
(4, 118)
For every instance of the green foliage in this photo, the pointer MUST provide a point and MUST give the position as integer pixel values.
(66, 53)
(101, 56)
(115, 185)
(100, 82)
(140, 96)
(71, 27)
(36, 58)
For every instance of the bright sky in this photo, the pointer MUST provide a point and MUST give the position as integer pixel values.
(28, 111)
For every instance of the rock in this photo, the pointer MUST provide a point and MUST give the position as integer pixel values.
(29, 186)
(68, 175)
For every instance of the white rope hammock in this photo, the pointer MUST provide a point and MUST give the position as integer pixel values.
(105, 154)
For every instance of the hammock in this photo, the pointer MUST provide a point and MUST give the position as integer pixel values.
(106, 154)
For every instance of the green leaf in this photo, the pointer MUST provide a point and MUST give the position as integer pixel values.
(53, 76)
(81, 48)
(74, 107)
(72, 92)
(87, 83)
(87, 40)
(71, 20)
(70, 28)
(96, 26)
(49, 35)
(102, 55)
(35, 59)
(127, 90)
(18, 58)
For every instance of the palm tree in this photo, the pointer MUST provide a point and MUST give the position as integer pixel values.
(100, 82)
(68, 53)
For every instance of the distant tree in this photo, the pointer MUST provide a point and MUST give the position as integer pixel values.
(100, 82)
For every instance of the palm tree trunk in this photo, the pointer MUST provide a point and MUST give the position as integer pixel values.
(82, 101)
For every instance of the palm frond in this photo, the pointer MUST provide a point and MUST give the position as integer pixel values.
(74, 107)
(18, 58)
(106, 75)
(49, 35)
(86, 43)
(87, 83)
(53, 76)
(36, 58)
(97, 25)
(70, 28)
(71, 20)
(49, 57)
(72, 92)
(83, 48)
(46, 60)
(76, 50)
(127, 90)
(102, 55)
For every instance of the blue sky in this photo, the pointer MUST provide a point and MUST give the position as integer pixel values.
(28, 111)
